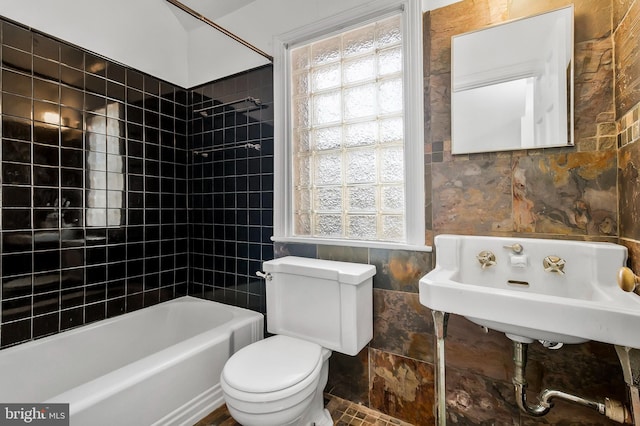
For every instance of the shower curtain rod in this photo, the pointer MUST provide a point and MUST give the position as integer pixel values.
(256, 101)
(206, 152)
(223, 30)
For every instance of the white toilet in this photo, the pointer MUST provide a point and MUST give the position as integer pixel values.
(314, 307)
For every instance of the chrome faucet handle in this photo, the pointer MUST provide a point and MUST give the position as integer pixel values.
(554, 264)
(486, 259)
(516, 248)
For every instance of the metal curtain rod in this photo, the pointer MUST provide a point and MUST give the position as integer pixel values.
(206, 152)
(256, 101)
(224, 31)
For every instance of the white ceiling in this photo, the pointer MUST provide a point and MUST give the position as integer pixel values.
(155, 37)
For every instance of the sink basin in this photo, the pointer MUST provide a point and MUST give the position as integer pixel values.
(515, 293)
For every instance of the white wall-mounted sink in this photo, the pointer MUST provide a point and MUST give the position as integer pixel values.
(517, 296)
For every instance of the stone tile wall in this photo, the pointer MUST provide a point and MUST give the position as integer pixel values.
(569, 192)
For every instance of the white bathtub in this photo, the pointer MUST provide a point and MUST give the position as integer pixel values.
(156, 366)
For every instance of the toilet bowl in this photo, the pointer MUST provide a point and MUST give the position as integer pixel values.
(314, 307)
(276, 382)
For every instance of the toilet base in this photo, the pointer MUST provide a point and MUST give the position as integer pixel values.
(317, 415)
(323, 420)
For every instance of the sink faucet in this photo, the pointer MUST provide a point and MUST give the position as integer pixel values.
(516, 248)
(486, 259)
(554, 264)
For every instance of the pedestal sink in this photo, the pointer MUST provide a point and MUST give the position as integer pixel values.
(560, 291)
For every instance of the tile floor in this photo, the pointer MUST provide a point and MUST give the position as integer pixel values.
(344, 413)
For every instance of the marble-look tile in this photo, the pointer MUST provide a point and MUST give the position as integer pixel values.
(627, 60)
(458, 18)
(480, 364)
(469, 347)
(344, 254)
(295, 249)
(428, 208)
(476, 400)
(633, 247)
(628, 126)
(401, 325)
(402, 387)
(593, 58)
(629, 191)
(565, 413)
(399, 269)
(592, 17)
(593, 88)
(349, 376)
(620, 8)
(474, 197)
(444, 23)
(439, 126)
(568, 194)
(590, 369)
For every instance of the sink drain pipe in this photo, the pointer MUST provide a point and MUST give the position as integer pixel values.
(613, 409)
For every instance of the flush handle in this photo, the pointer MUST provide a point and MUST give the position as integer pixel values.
(486, 259)
(554, 264)
(267, 276)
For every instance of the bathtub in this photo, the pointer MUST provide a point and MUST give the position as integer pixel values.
(156, 366)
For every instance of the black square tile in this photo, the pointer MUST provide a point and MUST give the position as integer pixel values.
(72, 77)
(135, 79)
(46, 47)
(16, 151)
(71, 56)
(16, 196)
(116, 72)
(16, 332)
(72, 138)
(17, 264)
(47, 69)
(94, 64)
(70, 318)
(14, 219)
(47, 156)
(46, 260)
(45, 325)
(16, 36)
(16, 128)
(46, 133)
(46, 90)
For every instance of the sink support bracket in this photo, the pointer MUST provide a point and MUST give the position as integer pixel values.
(440, 320)
(613, 409)
(630, 362)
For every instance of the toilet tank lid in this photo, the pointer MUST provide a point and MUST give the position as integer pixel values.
(344, 272)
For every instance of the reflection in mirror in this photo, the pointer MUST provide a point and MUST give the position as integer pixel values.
(512, 85)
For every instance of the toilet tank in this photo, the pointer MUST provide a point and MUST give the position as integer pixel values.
(323, 301)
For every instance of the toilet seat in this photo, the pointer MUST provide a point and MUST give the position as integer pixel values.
(273, 369)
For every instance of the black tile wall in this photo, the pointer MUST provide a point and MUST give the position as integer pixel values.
(94, 187)
(231, 189)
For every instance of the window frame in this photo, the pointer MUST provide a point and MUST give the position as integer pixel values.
(411, 16)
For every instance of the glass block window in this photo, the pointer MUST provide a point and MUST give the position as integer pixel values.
(347, 127)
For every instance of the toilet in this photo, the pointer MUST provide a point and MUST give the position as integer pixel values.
(314, 307)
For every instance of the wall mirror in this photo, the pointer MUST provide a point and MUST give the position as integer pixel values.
(512, 85)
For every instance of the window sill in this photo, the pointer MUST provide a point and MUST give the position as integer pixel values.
(353, 243)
